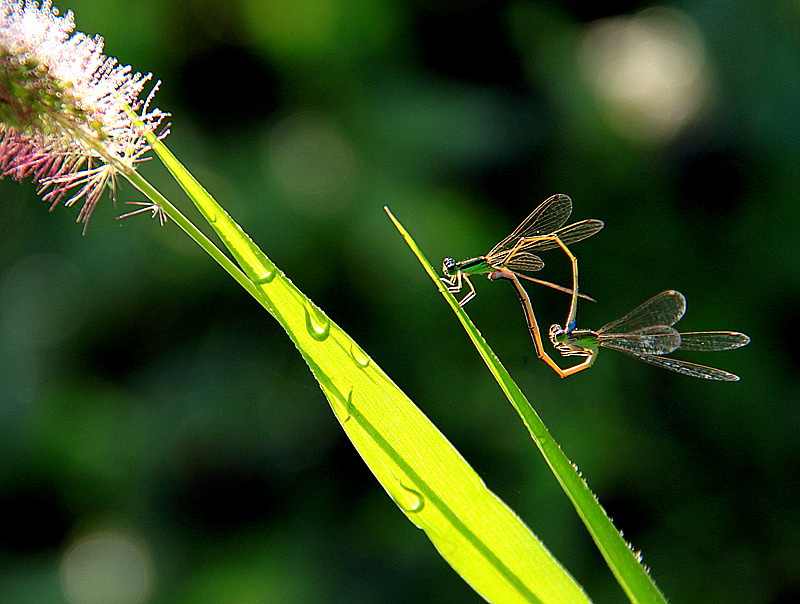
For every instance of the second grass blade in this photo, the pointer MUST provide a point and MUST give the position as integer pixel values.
(623, 562)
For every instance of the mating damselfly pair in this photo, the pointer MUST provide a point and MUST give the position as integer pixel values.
(646, 333)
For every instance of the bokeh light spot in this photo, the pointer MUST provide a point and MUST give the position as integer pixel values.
(106, 568)
(649, 71)
(310, 156)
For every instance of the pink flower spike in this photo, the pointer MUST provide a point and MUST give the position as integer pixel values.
(64, 107)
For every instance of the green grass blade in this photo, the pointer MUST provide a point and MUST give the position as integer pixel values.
(478, 535)
(624, 563)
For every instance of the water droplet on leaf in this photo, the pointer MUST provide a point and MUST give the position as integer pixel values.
(359, 356)
(209, 213)
(266, 277)
(317, 324)
(346, 406)
(409, 500)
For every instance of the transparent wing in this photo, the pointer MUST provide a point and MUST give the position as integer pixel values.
(686, 368)
(550, 215)
(523, 261)
(572, 233)
(664, 309)
(569, 234)
(653, 340)
(711, 341)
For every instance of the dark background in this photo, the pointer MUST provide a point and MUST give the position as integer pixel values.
(159, 431)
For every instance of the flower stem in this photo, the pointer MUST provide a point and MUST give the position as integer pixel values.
(138, 181)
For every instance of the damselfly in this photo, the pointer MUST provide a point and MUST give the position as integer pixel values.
(646, 333)
(541, 230)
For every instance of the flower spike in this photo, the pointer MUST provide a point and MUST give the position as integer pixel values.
(70, 117)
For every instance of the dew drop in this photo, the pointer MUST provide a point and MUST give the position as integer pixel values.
(359, 356)
(210, 214)
(317, 324)
(347, 406)
(266, 277)
(409, 500)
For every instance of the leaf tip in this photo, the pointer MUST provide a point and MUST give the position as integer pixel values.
(397, 224)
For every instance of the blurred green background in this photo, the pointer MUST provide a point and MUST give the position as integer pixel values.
(161, 439)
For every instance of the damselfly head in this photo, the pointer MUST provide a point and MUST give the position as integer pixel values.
(449, 267)
(574, 342)
(557, 334)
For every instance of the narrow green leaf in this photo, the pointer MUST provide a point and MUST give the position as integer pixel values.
(624, 563)
(478, 535)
